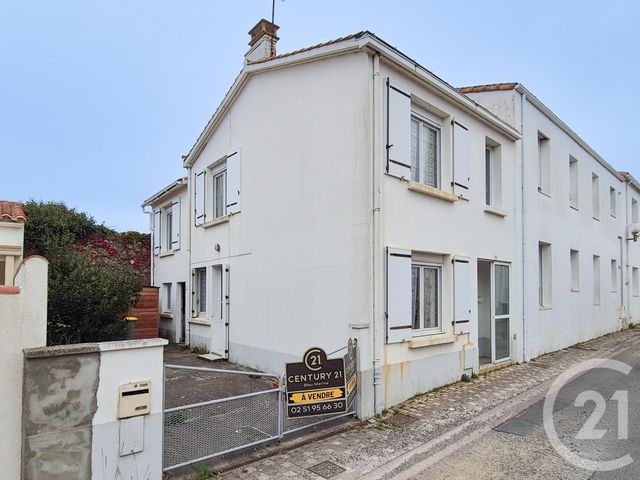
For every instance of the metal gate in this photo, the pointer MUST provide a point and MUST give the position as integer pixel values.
(200, 431)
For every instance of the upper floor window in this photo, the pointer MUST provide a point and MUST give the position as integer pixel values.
(544, 164)
(492, 174)
(220, 194)
(634, 210)
(573, 182)
(613, 201)
(425, 152)
(169, 229)
(595, 194)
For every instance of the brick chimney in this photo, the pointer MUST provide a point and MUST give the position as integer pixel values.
(263, 41)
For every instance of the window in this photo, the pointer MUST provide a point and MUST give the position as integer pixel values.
(614, 276)
(544, 277)
(200, 292)
(166, 293)
(573, 182)
(425, 297)
(613, 200)
(220, 194)
(492, 174)
(169, 229)
(634, 210)
(635, 278)
(2, 268)
(544, 164)
(596, 280)
(425, 152)
(575, 270)
(595, 193)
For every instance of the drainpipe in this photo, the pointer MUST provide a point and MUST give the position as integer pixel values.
(376, 266)
(150, 213)
(523, 97)
(625, 287)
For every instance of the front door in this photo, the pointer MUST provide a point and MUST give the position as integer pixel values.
(500, 310)
(220, 316)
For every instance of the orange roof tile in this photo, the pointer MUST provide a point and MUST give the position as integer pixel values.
(492, 87)
(11, 211)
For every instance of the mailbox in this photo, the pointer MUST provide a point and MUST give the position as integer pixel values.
(134, 399)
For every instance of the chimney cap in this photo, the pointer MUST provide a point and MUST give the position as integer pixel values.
(263, 27)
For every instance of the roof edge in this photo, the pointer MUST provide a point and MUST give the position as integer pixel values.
(173, 186)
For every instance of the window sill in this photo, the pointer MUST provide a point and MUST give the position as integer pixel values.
(166, 254)
(495, 211)
(574, 208)
(575, 291)
(544, 308)
(430, 340)
(217, 221)
(166, 315)
(432, 192)
(542, 192)
(596, 219)
(200, 321)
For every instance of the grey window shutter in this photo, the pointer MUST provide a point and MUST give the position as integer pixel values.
(234, 166)
(398, 295)
(461, 159)
(199, 198)
(462, 295)
(156, 232)
(176, 214)
(398, 121)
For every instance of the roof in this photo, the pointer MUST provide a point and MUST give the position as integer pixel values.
(492, 87)
(11, 211)
(631, 180)
(173, 186)
(339, 46)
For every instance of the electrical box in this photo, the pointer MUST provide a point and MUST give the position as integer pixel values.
(134, 399)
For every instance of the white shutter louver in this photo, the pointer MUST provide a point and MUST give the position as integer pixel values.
(398, 295)
(199, 198)
(234, 165)
(156, 232)
(461, 159)
(398, 131)
(462, 295)
(176, 213)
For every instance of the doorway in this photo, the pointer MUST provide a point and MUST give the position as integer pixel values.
(493, 312)
(220, 310)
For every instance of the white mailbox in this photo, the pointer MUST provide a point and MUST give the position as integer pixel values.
(134, 399)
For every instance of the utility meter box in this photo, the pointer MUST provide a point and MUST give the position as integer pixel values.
(134, 399)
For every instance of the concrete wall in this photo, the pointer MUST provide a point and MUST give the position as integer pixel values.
(70, 412)
(23, 314)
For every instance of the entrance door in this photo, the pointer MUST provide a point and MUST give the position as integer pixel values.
(500, 308)
(220, 317)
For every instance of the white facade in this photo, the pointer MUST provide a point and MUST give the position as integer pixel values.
(170, 256)
(361, 196)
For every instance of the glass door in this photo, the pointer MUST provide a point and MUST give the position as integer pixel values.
(500, 309)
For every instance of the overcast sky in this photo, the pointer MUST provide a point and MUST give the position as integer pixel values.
(99, 99)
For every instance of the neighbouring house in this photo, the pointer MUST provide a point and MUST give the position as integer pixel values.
(344, 191)
(12, 220)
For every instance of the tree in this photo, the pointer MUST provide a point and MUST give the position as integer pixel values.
(89, 293)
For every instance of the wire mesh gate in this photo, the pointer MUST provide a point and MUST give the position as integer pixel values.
(200, 431)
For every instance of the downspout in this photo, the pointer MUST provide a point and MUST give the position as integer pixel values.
(375, 212)
(523, 97)
(152, 269)
(625, 287)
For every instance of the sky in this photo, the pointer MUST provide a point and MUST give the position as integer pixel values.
(100, 99)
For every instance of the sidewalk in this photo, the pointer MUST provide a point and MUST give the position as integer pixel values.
(352, 453)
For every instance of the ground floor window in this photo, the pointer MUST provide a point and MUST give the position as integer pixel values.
(425, 297)
(200, 291)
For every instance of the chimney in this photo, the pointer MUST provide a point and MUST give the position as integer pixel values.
(263, 41)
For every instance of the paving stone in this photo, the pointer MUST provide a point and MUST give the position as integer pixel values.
(326, 469)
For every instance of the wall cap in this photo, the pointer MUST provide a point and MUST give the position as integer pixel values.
(80, 348)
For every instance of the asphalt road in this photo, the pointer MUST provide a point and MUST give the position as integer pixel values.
(520, 448)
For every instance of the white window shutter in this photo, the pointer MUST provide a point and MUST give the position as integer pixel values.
(176, 213)
(462, 295)
(199, 198)
(156, 232)
(234, 164)
(461, 159)
(398, 131)
(398, 295)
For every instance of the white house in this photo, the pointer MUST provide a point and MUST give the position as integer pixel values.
(12, 220)
(344, 191)
(170, 258)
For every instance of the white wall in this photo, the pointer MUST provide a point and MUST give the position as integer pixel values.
(24, 320)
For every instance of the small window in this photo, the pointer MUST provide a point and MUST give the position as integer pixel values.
(573, 182)
(596, 280)
(220, 194)
(544, 164)
(575, 270)
(544, 277)
(200, 292)
(613, 202)
(2, 268)
(425, 152)
(166, 293)
(425, 297)
(169, 229)
(634, 210)
(614, 275)
(595, 194)
(492, 174)
(635, 280)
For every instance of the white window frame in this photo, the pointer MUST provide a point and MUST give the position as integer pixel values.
(613, 202)
(166, 293)
(433, 330)
(635, 281)
(544, 164)
(634, 210)
(199, 273)
(168, 232)
(597, 281)
(595, 196)
(423, 123)
(614, 275)
(574, 263)
(215, 174)
(574, 183)
(545, 275)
